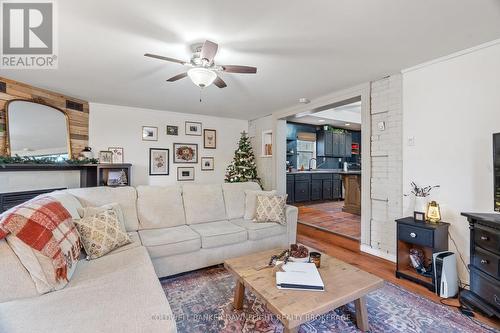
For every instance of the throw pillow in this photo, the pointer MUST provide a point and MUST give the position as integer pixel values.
(251, 202)
(91, 211)
(42, 234)
(101, 233)
(271, 209)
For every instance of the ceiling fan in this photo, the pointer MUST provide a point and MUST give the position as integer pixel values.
(203, 71)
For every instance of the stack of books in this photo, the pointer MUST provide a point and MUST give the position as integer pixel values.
(299, 276)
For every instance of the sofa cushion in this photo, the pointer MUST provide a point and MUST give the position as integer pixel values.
(160, 206)
(260, 230)
(115, 293)
(234, 197)
(15, 281)
(170, 241)
(98, 196)
(251, 202)
(42, 234)
(101, 233)
(203, 203)
(220, 233)
(135, 242)
(68, 201)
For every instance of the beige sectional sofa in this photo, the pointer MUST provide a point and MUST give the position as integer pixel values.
(174, 229)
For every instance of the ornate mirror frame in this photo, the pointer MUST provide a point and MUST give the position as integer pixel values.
(40, 102)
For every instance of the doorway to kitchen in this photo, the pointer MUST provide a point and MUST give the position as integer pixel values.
(323, 161)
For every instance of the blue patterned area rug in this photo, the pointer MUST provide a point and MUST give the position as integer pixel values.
(202, 302)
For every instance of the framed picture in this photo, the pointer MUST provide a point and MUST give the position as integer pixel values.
(419, 216)
(158, 162)
(117, 154)
(185, 173)
(207, 163)
(185, 153)
(149, 133)
(193, 128)
(172, 130)
(209, 139)
(105, 157)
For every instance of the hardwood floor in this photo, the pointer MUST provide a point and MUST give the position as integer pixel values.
(328, 215)
(379, 267)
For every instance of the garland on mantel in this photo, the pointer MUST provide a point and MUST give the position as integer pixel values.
(5, 160)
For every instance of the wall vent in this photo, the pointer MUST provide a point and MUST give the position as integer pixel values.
(74, 105)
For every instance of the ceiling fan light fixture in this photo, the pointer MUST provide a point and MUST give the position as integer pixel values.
(202, 77)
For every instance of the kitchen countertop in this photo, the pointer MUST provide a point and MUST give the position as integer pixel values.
(338, 171)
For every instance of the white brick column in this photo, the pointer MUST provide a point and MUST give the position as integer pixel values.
(386, 164)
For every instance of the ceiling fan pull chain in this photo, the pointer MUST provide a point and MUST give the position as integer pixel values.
(200, 93)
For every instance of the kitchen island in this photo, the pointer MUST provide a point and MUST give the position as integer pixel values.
(325, 184)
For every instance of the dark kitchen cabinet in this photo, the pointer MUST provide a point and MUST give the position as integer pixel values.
(348, 145)
(337, 189)
(327, 190)
(316, 189)
(324, 143)
(290, 185)
(330, 144)
(302, 191)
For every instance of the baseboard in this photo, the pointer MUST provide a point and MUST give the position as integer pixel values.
(377, 253)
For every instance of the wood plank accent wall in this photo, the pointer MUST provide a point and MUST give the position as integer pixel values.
(78, 120)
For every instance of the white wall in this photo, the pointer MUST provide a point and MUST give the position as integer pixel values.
(451, 109)
(120, 126)
(264, 164)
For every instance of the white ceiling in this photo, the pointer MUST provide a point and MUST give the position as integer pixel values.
(301, 48)
(346, 116)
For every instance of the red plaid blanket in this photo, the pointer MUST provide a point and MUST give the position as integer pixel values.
(46, 226)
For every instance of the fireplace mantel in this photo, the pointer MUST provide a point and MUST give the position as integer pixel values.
(90, 174)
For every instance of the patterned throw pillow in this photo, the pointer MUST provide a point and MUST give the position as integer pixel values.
(42, 234)
(271, 209)
(101, 233)
(251, 202)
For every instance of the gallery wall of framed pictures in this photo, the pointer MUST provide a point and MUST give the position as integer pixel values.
(183, 153)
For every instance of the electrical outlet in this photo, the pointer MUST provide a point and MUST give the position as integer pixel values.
(411, 141)
(381, 126)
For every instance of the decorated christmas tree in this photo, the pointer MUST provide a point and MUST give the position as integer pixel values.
(242, 168)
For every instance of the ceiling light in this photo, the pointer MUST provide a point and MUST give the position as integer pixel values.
(202, 77)
(303, 114)
(321, 120)
(347, 124)
(304, 100)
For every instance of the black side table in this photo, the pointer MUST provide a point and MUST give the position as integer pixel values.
(427, 237)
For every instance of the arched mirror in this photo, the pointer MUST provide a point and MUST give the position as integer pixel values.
(37, 130)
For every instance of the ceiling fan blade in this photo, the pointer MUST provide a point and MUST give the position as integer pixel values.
(208, 51)
(165, 58)
(239, 69)
(220, 83)
(177, 77)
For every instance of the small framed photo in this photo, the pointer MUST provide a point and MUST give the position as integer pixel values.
(193, 128)
(209, 139)
(117, 154)
(207, 164)
(172, 130)
(149, 133)
(105, 157)
(158, 162)
(185, 153)
(419, 216)
(185, 173)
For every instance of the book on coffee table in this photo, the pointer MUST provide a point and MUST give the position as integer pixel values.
(299, 276)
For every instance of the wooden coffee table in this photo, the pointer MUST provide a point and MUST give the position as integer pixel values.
(344, 283)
